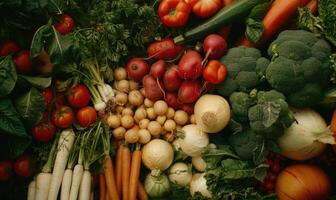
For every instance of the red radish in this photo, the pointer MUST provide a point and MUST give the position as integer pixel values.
(154, 89)
(22, 62)
(188, 108)
(171, 79)
(164, 49)
(158, 69)
(8, 47)
(214, 46)
(172, 101)
(137, 69)
(189, 91)
(190, 65)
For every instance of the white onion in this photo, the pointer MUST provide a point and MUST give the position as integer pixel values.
(307, 137)
(157, 155)
(193, 140)
(198, 184)
(180, 174)
(212, 113)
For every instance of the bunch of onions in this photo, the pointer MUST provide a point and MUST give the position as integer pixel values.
(307, 137)
(298, 182)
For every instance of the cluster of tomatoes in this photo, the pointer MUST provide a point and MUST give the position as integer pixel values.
(22, 166)
(175, 13)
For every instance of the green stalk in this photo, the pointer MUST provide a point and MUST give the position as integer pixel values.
(51, 158)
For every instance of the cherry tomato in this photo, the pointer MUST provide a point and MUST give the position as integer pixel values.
(137, 69)
(63, 117)
(164, 49)
(23, 62)
(174, 13)
(6, 168)
(8, 47)
(65, 25)
(23, 166)
(44, 131)
(206, 8)
(214, 72)
(47, 96)
(86, 116)
(79, 96)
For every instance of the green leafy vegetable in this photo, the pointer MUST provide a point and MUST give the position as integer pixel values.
(8, 76)
(34, 81)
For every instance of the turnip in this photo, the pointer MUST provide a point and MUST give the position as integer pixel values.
(140, 114)
(119, 133)
(172, 101)
(198, 184)
(133, 85)
(193, 140)
(170, 113)
(214, 46)
(180, 174)
(135, 98)
(161, 119)
(198, 163)
(157, 155)
(151, 113)
(158, 69)
(192, 119)
(171, 79)
(160, 107)
(190, 65)
(113, 121)
(123, 86)
(127, 121)
(121, 99)
(127, 111)
(120, 73)
(148, 103)
(154, 128)
(143, 124)
(131, 136)
(144, 136)
(169, 125)
(189, 91)
(181, 117)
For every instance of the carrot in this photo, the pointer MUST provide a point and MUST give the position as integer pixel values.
(312, 6)
(126, 165)
(102, 187)
(107, 196)
(135, 173)
(119, 168)
(109, 178)
(279, 13)
(141, 193)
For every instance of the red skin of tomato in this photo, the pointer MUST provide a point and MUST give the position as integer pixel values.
(137, 69)
(79, 96)
(6, 168)
(164, 49)
(190, 65)
(86, 116)
(23, 62)
(174, 13)
(63, 117)
(8, 47)
(47, 96)
(215, 72)
(44, 131)
(206, 8)
(65, 25)
(23, 166)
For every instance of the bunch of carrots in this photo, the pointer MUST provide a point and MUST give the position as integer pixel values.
(123, 181)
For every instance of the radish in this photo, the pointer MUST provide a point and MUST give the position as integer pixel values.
(190, 65)
(158, 69)
(189, 91)
(85, 186)
(31, 190)
(188, 108)
(172, 101)
(214, 46)
(76, 181)
(164, 49)
(66, 184)
(65, 144)
(137, 68)
(171, 79)
(153, 88)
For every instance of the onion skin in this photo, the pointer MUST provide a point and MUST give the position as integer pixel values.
(302, 182)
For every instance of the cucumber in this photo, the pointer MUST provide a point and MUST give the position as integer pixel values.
(232, 13)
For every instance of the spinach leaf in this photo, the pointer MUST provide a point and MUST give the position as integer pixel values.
(30, 106)
(8, 76)
(34, 81)
(13, 146)
(9, 121)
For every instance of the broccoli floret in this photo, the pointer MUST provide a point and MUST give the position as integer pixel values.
(246, 70)
(300, 67)
(240, 104)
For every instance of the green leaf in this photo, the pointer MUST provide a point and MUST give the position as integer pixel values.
(30, 106)
(254, 30)
(259, 10)
(238, 169)
(270, 113)
(34, 81)
(13, 146)
(8, 76)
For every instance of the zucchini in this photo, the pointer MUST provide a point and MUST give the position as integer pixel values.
(232, 13)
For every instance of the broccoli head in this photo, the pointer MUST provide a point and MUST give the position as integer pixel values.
(300, 67)
(246, 70)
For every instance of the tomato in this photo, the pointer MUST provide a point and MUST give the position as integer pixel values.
(137, 69)
(6, 168)
(47, 96)
(164, 49)
(174, 13)
(86, 116)
(65, 25)
(62, 117)
(23, 166)
(206, 8)
(8, 47)
(44, 131)
(215, 72)
(60, 99)
(79, 96)
(23, 62)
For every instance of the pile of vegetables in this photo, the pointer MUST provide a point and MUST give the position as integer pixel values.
(168, 99)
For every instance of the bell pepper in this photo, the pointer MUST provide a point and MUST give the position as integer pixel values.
(174, 13)
(215, 72)
(205, 9)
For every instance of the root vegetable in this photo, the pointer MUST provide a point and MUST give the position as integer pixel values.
(113, 121)
(77, 176)
(135, 98)
(169, 137)
(156, 185)
(119, 133)
(144, 136)
(214, 46)
(127, 121)
(119, 109)
(154, 89)
(143, 124)
(170, 113)
(158, 69)
(157, 155)
(161, 119)
(154, 128)
(85, 186)
(123, 86)
(192, 119)
(140, 114)
(188, 108)
(171, 99)
(160, 107)
(131, 136)
(198, 163)
(189, 91)
(171, 79)
(198, 184)
(169, 125)
(181, 117)
(193, 140)
(180, 174)
(151, 113)
(121, 99)
(133, 85)
(148, 103)
(127, 111)
(42, 185)
(142, 90)
(120, 74)
(66, 184)
(31, 190)
(190, 65)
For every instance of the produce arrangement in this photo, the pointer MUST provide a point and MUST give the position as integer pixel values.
(170, 99)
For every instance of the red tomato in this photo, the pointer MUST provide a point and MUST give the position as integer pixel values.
(60, 99)
(79, 96)
(174, 13)
(206, 8)
(23, 166)
(44, 131)
(65, 25)
(22, 62)
(6, 168)
(8, 47)
(215, 72)
(137, 69)
(164, 49)
(63, 117)
(86, 116)
(47, 96)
